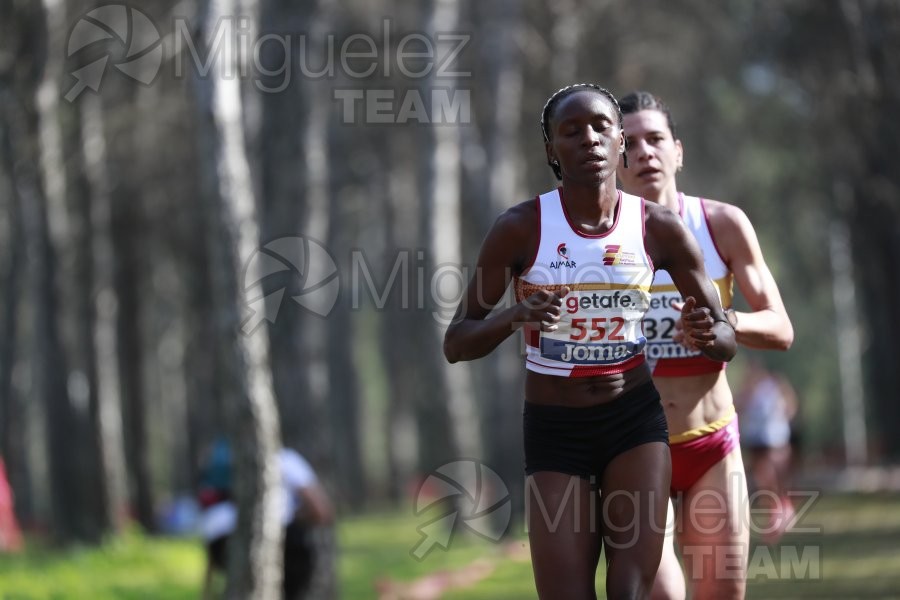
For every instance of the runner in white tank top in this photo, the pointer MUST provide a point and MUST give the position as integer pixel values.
(608, 276)
(581, 258)
(667, 357)
(695, 392)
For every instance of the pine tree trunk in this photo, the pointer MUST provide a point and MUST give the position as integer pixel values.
(12, 413)
(126, 226)
(79, 319)
(285, 219)
(401, 236)
(445, 415)
(65, 360)
(255, 560)
(501, 395)
(105, 309)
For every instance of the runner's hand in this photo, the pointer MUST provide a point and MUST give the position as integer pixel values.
(694, 327)
(542, 309)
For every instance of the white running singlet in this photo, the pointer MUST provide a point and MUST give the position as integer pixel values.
(667, 357)
(609, 276)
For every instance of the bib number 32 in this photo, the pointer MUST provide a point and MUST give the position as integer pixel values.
(664, 328)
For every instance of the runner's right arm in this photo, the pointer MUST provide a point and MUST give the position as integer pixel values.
(509, 244)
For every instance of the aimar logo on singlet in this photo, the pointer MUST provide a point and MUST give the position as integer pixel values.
(615, 256)
(565, 261)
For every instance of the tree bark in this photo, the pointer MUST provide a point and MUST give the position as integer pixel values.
(284, 201)
(333, 184)
(48, 361)
(293, 146)
(445, 415)
(500, 375)
(126, 227)
(79, 318)
(67, 384)
(12, 413)
(255, 561)
(401, 238)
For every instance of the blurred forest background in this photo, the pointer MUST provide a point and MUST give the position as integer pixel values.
(142, 223)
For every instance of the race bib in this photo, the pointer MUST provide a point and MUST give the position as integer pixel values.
(598, 327)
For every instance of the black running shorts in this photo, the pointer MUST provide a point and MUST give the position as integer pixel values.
(582, 441)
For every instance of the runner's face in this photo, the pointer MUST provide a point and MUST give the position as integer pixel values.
(653, 155)
(585, 137)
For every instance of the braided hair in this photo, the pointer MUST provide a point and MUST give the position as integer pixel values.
(562, 93)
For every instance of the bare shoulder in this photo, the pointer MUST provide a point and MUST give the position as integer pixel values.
(518, 223)
(515, 234)
(726, 219)
(733, 232)
(522, 216)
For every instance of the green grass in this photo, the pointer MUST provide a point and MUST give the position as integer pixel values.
(851, 550)
(130, 568)
(859, 545)
(372, 548)
(858, 542)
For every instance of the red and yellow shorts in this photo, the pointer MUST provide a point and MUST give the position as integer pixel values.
(694, 452)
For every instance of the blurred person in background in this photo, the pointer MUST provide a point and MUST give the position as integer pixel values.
(10, 533)
(707, 468)
(767, 404)
(306, 507)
